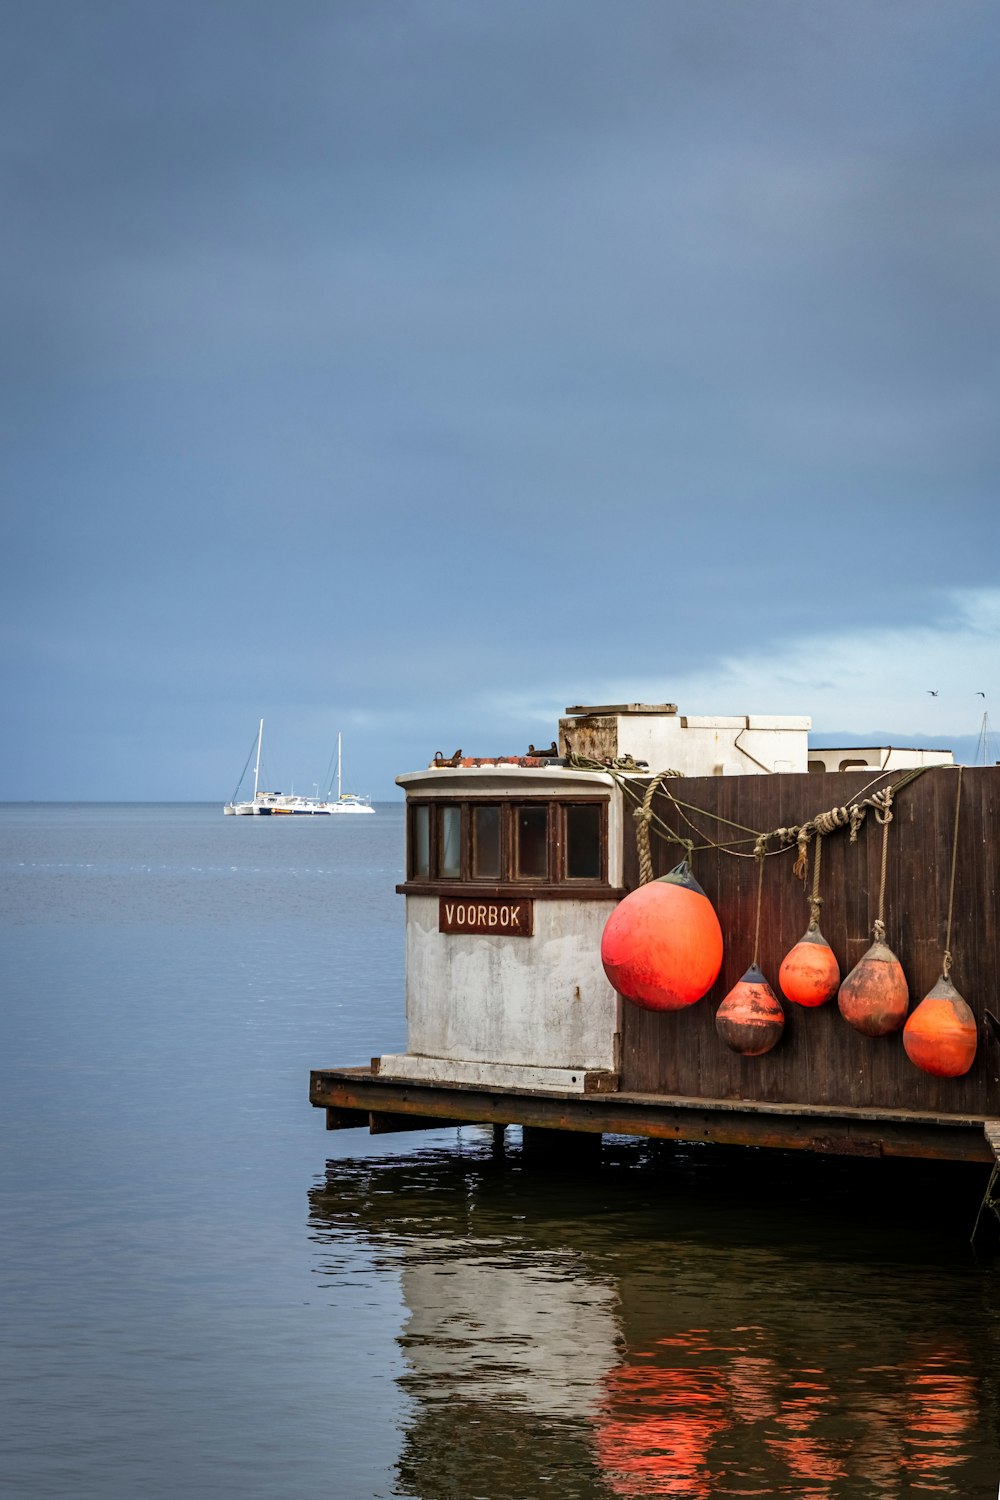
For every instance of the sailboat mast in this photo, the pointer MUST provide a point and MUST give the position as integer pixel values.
(256, 769)
(338, 765)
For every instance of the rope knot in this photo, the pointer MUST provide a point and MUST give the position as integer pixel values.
(878, 931)
(829, 822)
(882, 805)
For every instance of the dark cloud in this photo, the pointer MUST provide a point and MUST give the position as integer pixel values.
(361, 358)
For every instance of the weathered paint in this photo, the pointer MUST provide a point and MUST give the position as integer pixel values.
(829, 1131)
(694, 745)
(493, 1075)
(809, 973)
(541, 1002)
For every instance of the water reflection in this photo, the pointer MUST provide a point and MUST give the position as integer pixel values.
(661, 1327)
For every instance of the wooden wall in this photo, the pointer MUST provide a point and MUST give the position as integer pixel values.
(820, 1059)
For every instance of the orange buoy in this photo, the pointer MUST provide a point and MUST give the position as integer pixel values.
(662, 944)
(809, 972)
(874, 997)
(750, 1020)
(941, 1035)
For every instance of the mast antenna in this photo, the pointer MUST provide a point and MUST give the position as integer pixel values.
(985, 749)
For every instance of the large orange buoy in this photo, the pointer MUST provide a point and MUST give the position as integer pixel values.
(750, 1020)
(662, 944)
(874, 997)
(941, 1035)
(809, 972)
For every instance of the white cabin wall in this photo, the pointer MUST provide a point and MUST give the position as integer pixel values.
(733, 745)
(542, 1001)
(876, 757)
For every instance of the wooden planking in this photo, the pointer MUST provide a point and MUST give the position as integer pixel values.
(346, 1119)
(388, 1122)
(820, 1059)
(722, 1122)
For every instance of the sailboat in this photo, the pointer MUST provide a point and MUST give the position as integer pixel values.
(287, 804)
(347, 802)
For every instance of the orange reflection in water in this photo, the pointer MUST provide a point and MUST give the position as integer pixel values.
(655, 1431)
(717, 1411)
(941, 1410)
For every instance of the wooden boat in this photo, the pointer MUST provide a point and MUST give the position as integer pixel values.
(515, 863)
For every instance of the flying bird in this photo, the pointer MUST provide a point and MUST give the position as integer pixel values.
(980, 695)
(933, 692)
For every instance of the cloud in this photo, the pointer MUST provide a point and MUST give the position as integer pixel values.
(866, 678)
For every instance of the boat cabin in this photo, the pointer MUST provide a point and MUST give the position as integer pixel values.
(514, 865)
(512, 871)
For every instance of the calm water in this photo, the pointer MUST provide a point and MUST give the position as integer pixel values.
(207, 1295)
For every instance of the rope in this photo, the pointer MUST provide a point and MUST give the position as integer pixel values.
(946, 965)
(799, 834)
(643, 816)
(760, 852)
(816, 900)
(882, 802)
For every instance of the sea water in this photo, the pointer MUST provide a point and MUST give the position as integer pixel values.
(205, 1294)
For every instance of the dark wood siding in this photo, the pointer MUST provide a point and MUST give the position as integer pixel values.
(820, 1059)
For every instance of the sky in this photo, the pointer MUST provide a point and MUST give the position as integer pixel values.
(415, 370)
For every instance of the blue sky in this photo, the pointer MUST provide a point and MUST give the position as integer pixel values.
(418, 369)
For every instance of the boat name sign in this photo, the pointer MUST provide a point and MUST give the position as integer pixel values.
(512, 918)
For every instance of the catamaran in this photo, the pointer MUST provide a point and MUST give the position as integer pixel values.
(286, 804)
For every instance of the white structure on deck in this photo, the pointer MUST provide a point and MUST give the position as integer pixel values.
(693, 744)
(876, 758)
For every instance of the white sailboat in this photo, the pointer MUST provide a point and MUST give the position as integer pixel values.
(347, 802)
(287, 804)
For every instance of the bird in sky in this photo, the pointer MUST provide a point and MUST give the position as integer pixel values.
(980, 695)
(933, 692)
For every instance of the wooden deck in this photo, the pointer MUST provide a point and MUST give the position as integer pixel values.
(357, 1097)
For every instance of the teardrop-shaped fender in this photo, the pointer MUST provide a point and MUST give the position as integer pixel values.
(875, 996)
(809, 973)
(941, 1035)
(750, 1019)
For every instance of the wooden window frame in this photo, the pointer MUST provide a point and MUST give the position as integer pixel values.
(554, 884)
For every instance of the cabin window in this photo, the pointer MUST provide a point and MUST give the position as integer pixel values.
(450, 842)
(420, 835)
(506, 843)
(531, 847)
(583, 841)
(487, 861)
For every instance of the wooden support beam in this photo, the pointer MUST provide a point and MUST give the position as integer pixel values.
(577, 1146)
(386, 1122)
(826, 1130)
(345, 1119)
